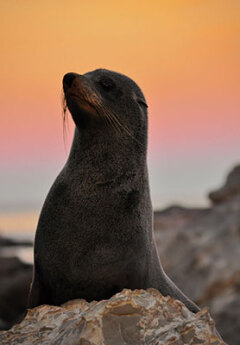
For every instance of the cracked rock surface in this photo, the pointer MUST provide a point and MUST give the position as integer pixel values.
(128, 318)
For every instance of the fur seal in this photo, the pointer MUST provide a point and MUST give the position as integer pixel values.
(95, 235)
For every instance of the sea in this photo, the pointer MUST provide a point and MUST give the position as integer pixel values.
(19, 226)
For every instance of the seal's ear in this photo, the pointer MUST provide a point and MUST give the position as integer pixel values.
(142, 102)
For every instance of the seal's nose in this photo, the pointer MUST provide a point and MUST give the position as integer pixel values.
(68, 79)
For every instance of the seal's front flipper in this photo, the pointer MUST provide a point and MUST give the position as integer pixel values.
(33, 298)
(36, 295)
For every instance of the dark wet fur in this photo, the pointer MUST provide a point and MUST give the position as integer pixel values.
(95, 235)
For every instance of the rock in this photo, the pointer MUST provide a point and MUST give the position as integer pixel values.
(223, 297)
(203, 250)
(15, 278)
(9, 242)
(128, 318)
(200, 251)
(231, 188)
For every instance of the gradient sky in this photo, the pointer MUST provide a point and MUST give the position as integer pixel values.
(185, 56)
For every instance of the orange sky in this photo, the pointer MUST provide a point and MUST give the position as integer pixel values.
(184, 54)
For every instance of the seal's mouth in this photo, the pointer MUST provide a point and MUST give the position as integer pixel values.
(82, 110)
(77, 94)
(71, 96)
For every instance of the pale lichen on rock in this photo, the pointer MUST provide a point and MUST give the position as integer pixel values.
(128, 318)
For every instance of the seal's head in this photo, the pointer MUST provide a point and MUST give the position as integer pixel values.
(106, 99)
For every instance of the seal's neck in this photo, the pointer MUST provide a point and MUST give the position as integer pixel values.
(105, 156)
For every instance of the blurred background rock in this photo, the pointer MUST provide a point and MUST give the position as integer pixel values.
(200, 251)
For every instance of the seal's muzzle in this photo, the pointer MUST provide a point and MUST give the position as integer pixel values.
(68, 79)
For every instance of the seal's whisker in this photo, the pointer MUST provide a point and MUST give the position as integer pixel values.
(108, 121)
(95, 100)
(104, 113)
(92, 98)
(121, 127)
(124, 128)
(98, 109)
(114, 123)
(117, 121)
(65, 120)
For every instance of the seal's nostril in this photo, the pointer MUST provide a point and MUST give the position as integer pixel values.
(68, 79)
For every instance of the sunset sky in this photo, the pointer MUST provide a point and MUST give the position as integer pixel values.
(184, 54)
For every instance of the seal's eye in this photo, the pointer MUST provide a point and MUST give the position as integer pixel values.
(107, 83)
(142, 102)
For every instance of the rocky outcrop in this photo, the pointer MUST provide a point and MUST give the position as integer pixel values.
(9, 242)
(230, 190)
(200, 251)
(15, 278)
(128, 318)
